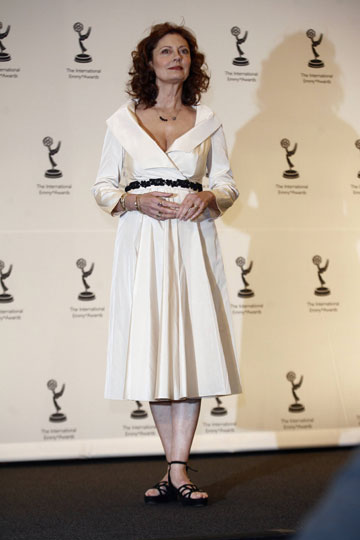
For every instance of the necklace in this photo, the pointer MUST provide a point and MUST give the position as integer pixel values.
(164, 119)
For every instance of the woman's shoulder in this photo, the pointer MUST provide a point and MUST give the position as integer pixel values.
(204, 113)
(202, 107)
(129, 105)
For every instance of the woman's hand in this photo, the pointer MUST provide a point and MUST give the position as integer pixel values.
(155, 204)
(194, 204)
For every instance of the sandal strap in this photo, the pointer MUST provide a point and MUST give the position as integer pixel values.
(188, 468)
(162, 487)
(189, 489)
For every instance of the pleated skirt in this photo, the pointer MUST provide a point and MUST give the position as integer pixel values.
(170, 331)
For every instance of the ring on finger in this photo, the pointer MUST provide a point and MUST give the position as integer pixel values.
(159, 214)
(160, 204)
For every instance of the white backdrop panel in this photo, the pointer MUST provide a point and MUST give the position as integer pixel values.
(297, 337)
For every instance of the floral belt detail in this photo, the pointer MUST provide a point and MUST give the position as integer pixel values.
(195, 186)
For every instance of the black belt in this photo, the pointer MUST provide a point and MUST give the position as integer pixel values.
(196, 186)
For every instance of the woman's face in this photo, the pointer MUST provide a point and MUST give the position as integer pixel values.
(171, 59)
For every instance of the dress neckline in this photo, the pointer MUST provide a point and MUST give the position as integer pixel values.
(145, 150)
(131, 109)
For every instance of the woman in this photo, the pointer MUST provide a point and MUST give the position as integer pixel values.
(170, 340)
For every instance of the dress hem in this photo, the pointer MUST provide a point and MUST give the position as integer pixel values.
(220, 394)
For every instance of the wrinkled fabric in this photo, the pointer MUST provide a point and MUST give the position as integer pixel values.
(170, 334)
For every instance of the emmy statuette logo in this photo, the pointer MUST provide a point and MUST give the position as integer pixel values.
(57, 416)
(239, 60)
(4, 56)
(316, 62)
(83, 57)
(219, 410)
(53, 172)
(246, 292)
(5, 296)
(296, 406)
(87, 294)
(322, 290)
(139, 412)
(290, 173)
(357, 144)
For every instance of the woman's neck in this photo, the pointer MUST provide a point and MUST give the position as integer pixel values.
(169, 97)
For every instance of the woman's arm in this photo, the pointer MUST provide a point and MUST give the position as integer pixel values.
(107, 189)
(221, 182)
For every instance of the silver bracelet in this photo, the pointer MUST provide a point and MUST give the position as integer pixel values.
(137, 203)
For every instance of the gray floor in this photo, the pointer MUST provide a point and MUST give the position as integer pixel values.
(250, 494)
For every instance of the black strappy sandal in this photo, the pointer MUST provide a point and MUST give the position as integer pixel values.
(166, 494)
(184, 492)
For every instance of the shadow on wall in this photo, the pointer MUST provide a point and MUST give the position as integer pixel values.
(297, 106)
(281, 230)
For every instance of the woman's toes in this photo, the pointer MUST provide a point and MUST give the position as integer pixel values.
(152, 492)
(199, 495)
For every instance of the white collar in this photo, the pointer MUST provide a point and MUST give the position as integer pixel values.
(144, 149)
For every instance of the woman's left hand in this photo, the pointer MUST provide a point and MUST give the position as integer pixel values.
(194, 204)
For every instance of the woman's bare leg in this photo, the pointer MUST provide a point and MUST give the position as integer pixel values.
(176, 423)
(185, 415)
(161, 411)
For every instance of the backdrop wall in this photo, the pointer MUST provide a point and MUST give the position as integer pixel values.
(285, 84)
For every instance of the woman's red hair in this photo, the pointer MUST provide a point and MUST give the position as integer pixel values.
(142, 84)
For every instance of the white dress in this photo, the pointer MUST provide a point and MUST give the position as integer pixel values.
(170, 333)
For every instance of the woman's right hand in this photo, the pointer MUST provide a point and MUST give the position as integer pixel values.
(155, 204)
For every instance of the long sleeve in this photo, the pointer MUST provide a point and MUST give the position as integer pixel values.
(107, 189)
(221, 181)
